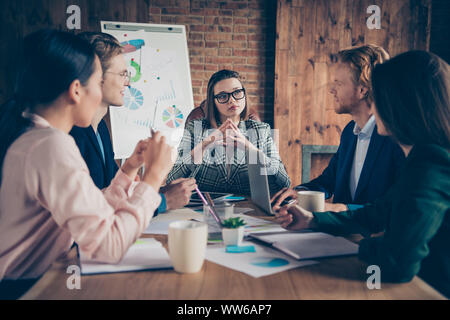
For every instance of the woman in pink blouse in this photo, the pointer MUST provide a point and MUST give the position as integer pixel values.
(47, 197)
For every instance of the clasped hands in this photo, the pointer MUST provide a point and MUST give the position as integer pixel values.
(228, 134)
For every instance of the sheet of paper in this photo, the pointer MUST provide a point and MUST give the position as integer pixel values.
(242, 210)
(160, 224)
(157, 96)
(253, 225)
(236, 210)
(263, 262)
(257, 225)
(145, 254)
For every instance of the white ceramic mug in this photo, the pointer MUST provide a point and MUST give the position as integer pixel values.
(313, 201)
(187, 245)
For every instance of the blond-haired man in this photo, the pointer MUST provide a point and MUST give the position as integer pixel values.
(365, 165)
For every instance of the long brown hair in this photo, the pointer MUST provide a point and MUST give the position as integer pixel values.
(212, 114)
(412, 98)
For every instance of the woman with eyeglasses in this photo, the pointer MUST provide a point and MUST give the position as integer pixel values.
(216, 150)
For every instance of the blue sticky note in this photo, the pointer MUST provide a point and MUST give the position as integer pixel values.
(240, 249)
(234, 198)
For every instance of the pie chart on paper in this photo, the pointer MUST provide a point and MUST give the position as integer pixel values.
(133, 99)
(172, 117)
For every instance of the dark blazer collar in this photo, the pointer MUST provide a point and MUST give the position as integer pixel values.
(376, 142)
(93, 140)
(343, 176)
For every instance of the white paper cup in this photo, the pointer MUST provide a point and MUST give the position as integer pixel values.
(187, 245)
(313, 201)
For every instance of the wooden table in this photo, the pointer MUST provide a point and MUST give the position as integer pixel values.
(334, 278)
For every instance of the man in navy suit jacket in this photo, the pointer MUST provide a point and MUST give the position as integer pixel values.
(98, 156)
(366, 164)
(382, 162)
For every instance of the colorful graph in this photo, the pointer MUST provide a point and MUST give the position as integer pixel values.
(133, 99)
(132, 45)
(172, 117)
(269, 262)
(137, 69)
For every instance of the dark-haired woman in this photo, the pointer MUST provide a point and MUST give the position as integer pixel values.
(216, 150)
(47, 197)
(412, 105)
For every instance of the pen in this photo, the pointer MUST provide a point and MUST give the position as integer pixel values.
(211, 203)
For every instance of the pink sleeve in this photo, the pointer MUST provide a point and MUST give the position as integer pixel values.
(104, 225)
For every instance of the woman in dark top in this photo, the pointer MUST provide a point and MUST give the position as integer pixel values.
(412, 99)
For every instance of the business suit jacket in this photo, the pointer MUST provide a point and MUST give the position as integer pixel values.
(86, 140)
(381, 166)
(213, 175)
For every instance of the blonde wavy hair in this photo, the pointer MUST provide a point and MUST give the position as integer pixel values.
(362, 60)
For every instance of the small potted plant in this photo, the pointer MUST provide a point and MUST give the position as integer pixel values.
(233, 231)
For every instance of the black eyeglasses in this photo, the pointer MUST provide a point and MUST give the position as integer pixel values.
(224, 97)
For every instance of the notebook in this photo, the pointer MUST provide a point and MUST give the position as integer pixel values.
(308, 245)
(144, 254)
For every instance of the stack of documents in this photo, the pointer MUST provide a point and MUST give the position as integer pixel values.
(145, 254)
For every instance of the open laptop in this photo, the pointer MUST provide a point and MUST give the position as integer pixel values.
(259, 187)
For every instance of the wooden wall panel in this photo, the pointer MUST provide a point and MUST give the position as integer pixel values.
(318, 163)
(308, 31)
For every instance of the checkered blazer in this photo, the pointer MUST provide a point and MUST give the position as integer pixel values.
(219, 173)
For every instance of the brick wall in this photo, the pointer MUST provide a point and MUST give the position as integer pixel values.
(232, 34)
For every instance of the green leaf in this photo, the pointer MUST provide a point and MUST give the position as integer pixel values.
(233, 223)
